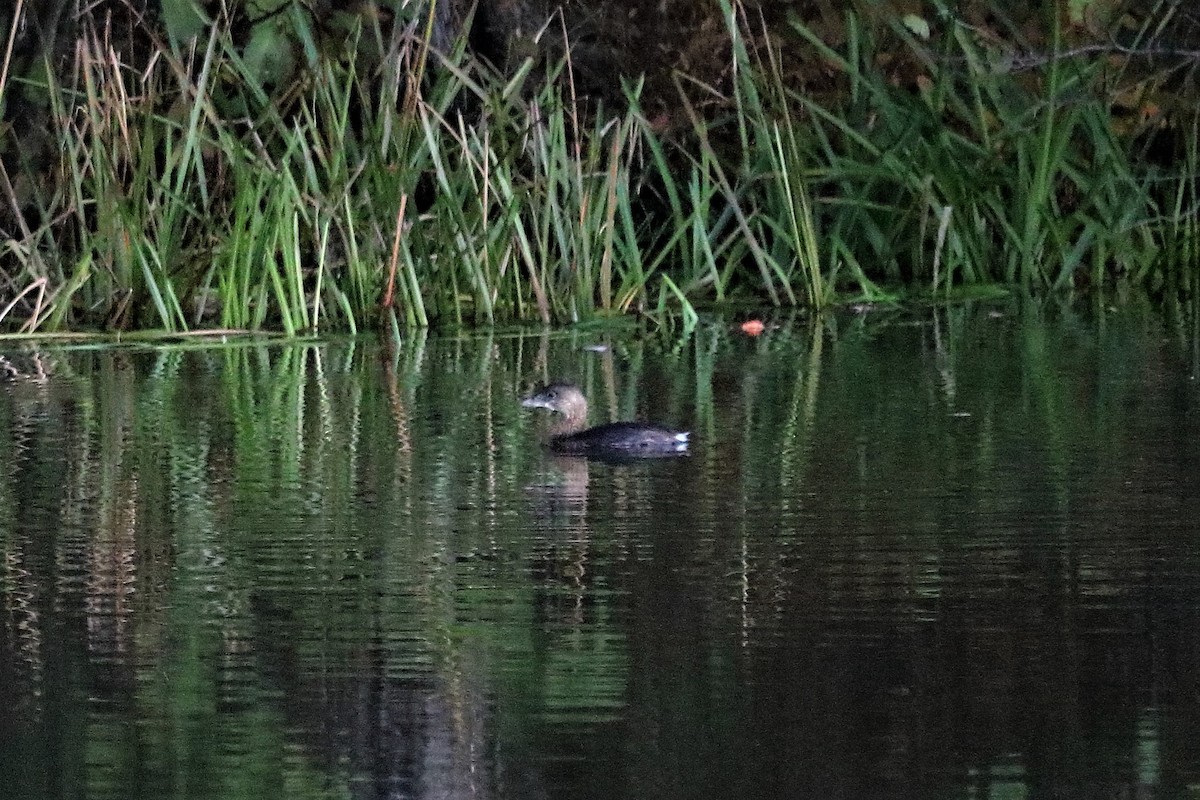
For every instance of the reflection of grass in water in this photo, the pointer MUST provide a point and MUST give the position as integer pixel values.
(347, 513)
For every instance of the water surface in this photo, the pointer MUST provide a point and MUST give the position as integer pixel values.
(946, 555)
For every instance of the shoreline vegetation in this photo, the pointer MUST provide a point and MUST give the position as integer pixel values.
(318, 179)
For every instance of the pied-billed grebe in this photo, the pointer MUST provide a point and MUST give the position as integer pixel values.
(614, 440)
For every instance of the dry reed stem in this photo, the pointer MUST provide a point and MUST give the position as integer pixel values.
(40, 285)
(388, 295)
(8, 49)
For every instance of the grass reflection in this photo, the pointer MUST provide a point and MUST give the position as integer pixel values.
(340, 566)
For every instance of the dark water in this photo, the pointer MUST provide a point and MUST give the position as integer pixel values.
(956, 555)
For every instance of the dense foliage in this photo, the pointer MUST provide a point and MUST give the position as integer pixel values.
(291, 167)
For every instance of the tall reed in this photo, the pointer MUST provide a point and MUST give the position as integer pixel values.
(983, 176)
(389, 183)
(433, 184)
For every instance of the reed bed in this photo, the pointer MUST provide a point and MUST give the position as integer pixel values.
(989, 176)
(394, 186)
(426, 196)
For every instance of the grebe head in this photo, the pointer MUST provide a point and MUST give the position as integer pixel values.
(561, 398)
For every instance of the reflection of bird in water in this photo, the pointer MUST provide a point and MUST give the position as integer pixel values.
(615, 440)
(558, 499)
(560, 492)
